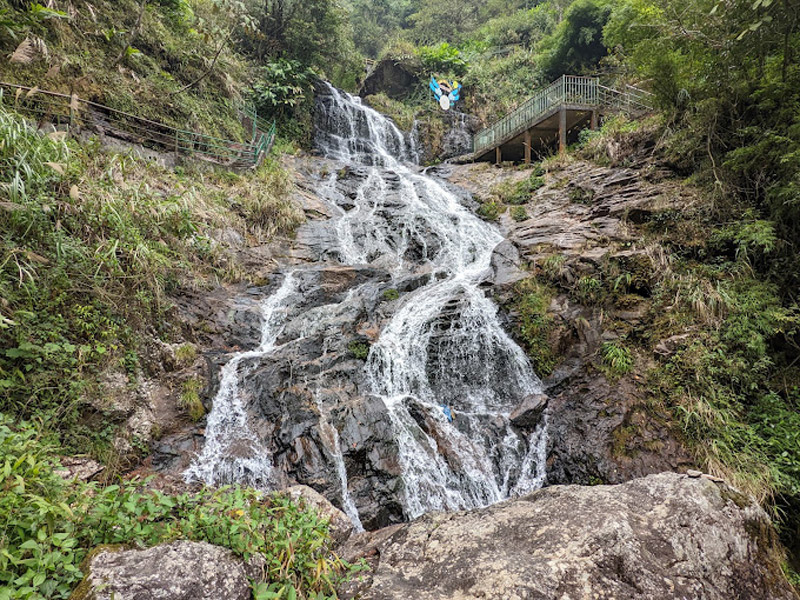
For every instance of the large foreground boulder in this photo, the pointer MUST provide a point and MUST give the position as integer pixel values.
(178, 571)
(660, 537)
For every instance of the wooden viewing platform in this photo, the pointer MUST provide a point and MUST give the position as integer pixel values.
(554, 113)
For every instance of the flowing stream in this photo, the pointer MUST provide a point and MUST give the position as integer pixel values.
(441, 350)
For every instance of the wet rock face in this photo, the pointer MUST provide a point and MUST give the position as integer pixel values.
(583, 220)
(395, 78)
(529, 411)
(177, 571)
(445, 134)
(663, 536)
(604, 432)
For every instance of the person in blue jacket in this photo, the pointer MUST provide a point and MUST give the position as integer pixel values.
(447, 412)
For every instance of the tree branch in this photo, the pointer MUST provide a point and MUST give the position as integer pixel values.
(210, 68)
(134, 33)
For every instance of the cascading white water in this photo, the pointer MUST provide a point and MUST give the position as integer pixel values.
(442, 347)
(445, 345)
(232, 452)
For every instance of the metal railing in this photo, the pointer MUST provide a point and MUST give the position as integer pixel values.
(567, 90)
(66, 111)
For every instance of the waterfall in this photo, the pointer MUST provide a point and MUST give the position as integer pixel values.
(442, 348)
(233, 453)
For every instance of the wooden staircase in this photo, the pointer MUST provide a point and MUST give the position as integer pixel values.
(554, 113)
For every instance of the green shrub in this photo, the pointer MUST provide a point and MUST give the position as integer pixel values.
(616, 358)
(442, 59)
(518, 213)
(553, 267)
(190, 399)
(589, 290)
(282, 91)
(358, 349)
(532, 302)
(30, 163)
(580, 195)
(186, 354)
(737, 420)
(521, 191)
(577, 43)
(390, 294)
(490, 210)
(50, 525)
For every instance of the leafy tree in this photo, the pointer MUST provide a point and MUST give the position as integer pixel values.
(443, 58)
(439, 21)
(375, 22)
(727, 71)
(577, 44)
(317, 33)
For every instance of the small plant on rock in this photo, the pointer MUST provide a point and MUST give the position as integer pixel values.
(589, 289)
(490, 210)
(518, 213)
(535, 324)
(616, 358)
(358, 349)
(190, 399)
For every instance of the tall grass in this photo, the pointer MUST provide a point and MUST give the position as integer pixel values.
(92, 247)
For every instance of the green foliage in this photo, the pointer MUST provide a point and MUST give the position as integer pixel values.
(190, 399)
(16, 24)
(523, 28)
(174, 46)
(375, 22)
(390, 294)
(359, 349)
(440, 21)
(443, 59)
(186, 354)
(29, 163)
(490, 209)
(315, 33)
(283, 91)
(729, 78)
(532, 301)
(752, 240)
(616, 358)
(577, 45)
(553, 267)
(90, 246)
(518, 213)
(516, 193)
(49, 526)
(589, 290)
(580, 195)
(719, 385)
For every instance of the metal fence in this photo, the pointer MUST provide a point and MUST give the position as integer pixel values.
(64, 111)
(567, 90)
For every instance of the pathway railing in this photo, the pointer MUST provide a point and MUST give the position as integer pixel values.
(62, 110)
(567, 90)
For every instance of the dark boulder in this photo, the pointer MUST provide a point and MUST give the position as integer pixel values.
(528, 413)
